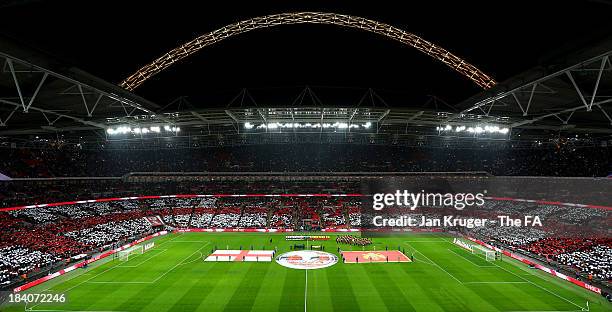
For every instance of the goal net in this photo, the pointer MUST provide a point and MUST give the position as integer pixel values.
(480, 250)
(124, 255)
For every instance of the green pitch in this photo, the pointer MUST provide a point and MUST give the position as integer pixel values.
(173, 277)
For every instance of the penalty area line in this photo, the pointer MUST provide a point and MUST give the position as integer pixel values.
(189, 242)
(45, 310)
(534, 284)
(178, 264)
(98, 274)
(546, 311)
(159, 277)
(89, 279)
(151, 257)
(495, 283)
(194, 260)
(470, 261)
(435, 264)
(415, 250)
(426, 241)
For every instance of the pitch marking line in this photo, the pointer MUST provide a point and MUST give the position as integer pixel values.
(178, 235)
(75, 310)
(110, 282)
(196, 259)
(419, 260)
(534, 284)
(435, 264)
(137, 265)
(174, 267)
(543, 276)
(547, 311)
(159, 277)
(470, 261)
(424, 241)
(79, 284)
(89, 279)
(306, 290)
(495, 283)
(189, 242)
(451, 275)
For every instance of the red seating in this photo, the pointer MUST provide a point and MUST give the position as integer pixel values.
(552, 246)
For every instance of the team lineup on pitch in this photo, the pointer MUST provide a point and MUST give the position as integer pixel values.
(430, 273)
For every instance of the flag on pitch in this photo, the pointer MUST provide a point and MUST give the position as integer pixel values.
(241, 255)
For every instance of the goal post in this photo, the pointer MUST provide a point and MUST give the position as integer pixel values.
(481, 250)
(124, 255)
(475, 249)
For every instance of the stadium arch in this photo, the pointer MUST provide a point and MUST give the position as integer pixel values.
(188, 48)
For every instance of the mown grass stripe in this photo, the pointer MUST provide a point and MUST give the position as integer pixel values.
(250, 285)
(387, 289)
(420, 291)
(292, 297)
(268, 298)
(341, 289)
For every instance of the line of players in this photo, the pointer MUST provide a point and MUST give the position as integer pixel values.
(353, 240)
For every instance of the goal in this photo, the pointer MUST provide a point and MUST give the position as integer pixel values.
(480, 250)
(124, 255)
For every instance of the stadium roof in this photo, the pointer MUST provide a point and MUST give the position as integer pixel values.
(570, 90)
(42, 95)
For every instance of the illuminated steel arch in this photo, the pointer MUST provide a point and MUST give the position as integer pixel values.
(461, 66)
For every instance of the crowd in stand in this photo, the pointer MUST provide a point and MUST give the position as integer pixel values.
(333, 215)
(553, 246)
(254, 217)
(513, 236)
(182, 220)
(354, 219)
(201, 217)
(17, 193)
(38, 215)
(72, 211)
(105, 234)
(16, 261)
(596, 261)
(550, 161)
(228, 217)
(282, 218)
(40, 237)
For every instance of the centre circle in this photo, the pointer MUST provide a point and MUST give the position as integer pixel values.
(307, 259)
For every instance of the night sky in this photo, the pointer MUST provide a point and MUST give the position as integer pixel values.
(111, 39)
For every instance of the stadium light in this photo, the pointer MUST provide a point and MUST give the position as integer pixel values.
(298, 125)
(476, 129)
(141, 130)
